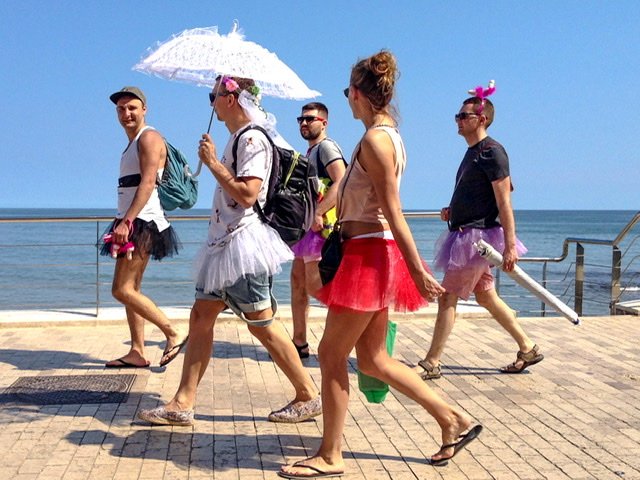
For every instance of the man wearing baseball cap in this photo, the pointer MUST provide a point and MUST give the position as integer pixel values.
(140, 230)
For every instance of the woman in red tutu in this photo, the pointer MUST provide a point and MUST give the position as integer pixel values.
(380, 269)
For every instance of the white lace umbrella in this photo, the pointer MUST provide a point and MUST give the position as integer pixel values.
(199, 55)
(522, 278)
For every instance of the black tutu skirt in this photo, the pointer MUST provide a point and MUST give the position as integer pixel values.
(146, 239)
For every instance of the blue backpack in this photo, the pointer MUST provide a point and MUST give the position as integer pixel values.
(177, 188)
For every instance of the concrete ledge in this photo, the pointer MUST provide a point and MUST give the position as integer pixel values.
(116, 315)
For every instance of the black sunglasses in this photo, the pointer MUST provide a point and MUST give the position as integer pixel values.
(346, 92)
(212, 96)
(465, 115)
(308, 119)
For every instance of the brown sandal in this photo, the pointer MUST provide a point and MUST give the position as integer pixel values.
(529, 358)
(431, 372)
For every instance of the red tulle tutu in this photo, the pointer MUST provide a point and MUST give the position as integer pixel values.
(372, 276)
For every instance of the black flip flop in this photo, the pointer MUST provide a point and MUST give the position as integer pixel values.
(465, 440)
(125, 364)
(317, 472)
(176, 348)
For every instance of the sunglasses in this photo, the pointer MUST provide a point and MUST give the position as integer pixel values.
(212, 96)
(346, 92)
(308, 119)
(465, 115)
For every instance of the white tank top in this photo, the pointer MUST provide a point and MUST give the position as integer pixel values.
(130, 165)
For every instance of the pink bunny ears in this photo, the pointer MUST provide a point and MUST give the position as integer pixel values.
(483, 93)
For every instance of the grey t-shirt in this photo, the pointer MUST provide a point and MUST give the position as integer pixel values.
(473, 203)
(325, 153)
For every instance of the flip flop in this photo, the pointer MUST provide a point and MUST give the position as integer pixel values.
(317, 473)
(465, 440)
(173, 352)
(125, 364)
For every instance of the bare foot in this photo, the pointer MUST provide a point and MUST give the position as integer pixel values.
(313, 466)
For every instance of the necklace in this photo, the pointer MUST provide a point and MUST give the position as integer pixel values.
(382, 125)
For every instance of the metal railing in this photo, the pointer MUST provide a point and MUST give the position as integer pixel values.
(616, 288)
(58, 263)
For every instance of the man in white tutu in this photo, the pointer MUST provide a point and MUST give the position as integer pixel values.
(234, 268)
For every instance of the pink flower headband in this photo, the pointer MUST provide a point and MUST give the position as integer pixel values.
(483, 93)
(232, 86)
(229, 84)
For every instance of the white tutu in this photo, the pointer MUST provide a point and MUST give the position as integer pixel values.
(254, 249)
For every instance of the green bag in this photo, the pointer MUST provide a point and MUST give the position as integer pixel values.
(376, 390)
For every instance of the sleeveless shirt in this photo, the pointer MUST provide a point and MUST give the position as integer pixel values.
(357, 198)
(130, 165)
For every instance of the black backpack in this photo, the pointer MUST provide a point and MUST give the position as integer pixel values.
(292, 191)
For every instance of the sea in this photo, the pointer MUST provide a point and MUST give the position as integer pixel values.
(54, 264)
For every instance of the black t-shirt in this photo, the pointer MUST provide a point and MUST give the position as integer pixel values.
(473, 203)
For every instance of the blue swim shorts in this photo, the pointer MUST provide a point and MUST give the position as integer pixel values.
(251, 293)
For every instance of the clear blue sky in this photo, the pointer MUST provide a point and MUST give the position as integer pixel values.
(567, 74)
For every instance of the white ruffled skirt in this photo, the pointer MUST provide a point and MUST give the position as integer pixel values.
(254, 249)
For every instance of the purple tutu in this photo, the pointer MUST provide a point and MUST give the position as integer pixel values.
(309, 246)
(455, 250)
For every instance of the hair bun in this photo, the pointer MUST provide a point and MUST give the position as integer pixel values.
(383, 63)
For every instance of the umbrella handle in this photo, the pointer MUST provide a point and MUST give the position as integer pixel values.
(197, 172)
(211, 119)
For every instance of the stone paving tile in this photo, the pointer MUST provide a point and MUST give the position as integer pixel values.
(573, 416)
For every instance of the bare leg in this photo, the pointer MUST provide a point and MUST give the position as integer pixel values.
(196, 359)
(126, 286)
(299, 302)
(275, 339)
(445, 320)
(136, 329)
(374, 360)
(367, 332)
(340, 336)
(490, 300)
(312, 277)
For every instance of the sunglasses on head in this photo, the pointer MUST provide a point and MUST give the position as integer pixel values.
(465, 115)
(309, 119)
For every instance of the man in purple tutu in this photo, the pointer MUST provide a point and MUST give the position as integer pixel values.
(480, 208)
(305, 277)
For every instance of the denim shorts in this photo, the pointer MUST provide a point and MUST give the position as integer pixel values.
(251, 293)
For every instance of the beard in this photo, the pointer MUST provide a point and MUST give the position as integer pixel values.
(309, 135)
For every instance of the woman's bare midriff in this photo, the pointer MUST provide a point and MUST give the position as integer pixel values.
(352, 229)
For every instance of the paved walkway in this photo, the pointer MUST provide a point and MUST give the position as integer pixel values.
(574, 416)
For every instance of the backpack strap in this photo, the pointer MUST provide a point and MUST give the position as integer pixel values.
(234, 163)
(166, 155)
